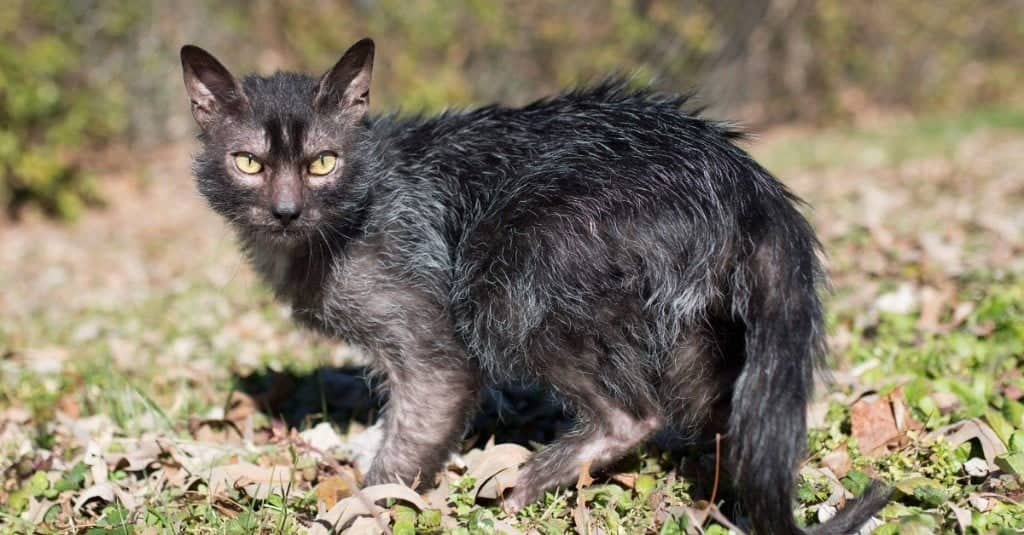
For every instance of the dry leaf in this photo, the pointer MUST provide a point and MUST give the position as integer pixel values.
(581, 516)
(257, 481)
(67, 405)
(215, 431)
(946, 402)
(980, 502)
(584, 480)
(963, 516)
(363, 503)
(838, 461)
(240, 407)
(367, 525)
(107, 492)
(878, 421)
(323, 438)
(932, 303)
(626, 479)
(333, 489)
(437, 497)
(135, 455)
(495, 469)
(839, 493)
(580, 513)
(974, 428)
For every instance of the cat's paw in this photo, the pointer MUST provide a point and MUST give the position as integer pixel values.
(519, 497)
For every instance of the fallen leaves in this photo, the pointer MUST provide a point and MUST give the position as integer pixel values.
(257, 481)
(881, 421)
(166, 302)
(495, 468)
(363, 504)
(973, 429)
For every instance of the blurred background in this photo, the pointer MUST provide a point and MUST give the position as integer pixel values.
(85, 75)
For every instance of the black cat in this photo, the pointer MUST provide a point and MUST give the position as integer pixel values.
(602, 243)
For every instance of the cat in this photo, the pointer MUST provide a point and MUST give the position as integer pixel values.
(605, 243)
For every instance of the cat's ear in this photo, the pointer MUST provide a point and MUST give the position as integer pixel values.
(346, 87)
(211, 88)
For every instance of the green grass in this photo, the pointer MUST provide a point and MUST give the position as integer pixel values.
(894, 143)
(74, 379)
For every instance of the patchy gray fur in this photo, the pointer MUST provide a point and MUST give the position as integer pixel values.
(604, 243)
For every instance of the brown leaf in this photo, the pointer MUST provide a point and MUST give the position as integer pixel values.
(932, 303)
(437, 497)
(963, 516)
(363, 503)
(946, 402)
(584, 480)
(107, 493)
(580, 513)
(67, 405)
(581, 516)
(215, 431)
(495, 469)
(974, 428)
(257, 481)
(333, 489)
(626, 479)
(838, 462)
(240, 407)
(880, 421)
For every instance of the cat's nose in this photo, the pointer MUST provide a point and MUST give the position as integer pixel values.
(286, 212)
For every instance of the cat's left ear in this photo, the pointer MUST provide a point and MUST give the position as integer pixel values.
(346, 87)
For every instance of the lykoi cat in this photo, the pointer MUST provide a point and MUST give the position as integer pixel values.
(603, 243)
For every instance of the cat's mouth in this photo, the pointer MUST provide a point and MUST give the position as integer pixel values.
(276, 234)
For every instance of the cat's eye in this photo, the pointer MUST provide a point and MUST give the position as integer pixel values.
(323, 164)
(247, 163)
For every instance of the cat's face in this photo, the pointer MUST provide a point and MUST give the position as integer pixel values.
(276, 149)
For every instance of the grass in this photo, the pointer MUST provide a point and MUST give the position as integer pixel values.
(121, 387)
(889, 144)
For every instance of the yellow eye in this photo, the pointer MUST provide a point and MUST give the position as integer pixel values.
(323, 164)
(247, 163)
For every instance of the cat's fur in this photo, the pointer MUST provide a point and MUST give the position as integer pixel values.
(604, 243)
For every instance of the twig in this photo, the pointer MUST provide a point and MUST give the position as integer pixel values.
(718, 465)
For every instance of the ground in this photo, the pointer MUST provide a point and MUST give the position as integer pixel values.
(148, 384)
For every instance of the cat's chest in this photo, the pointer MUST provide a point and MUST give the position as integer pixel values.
(357, 298)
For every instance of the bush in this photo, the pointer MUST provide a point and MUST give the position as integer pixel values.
(51, 107)
(68, 70)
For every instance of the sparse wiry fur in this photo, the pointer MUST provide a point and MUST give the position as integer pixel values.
(603, 242)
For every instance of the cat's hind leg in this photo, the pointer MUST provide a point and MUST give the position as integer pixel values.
(605, 431)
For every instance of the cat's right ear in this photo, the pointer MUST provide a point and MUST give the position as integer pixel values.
(211, 88)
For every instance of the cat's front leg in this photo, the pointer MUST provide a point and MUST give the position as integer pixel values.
(429, 405)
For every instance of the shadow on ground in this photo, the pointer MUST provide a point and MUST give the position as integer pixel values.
(524, 415)
(520, 414)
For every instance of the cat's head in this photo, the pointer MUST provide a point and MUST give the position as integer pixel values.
(277, 150)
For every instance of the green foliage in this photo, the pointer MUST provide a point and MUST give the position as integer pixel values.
(52, 108)
(76, 76)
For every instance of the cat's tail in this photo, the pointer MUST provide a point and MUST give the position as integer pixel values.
(778, 301)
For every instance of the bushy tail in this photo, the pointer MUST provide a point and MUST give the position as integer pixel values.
(784, 341)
